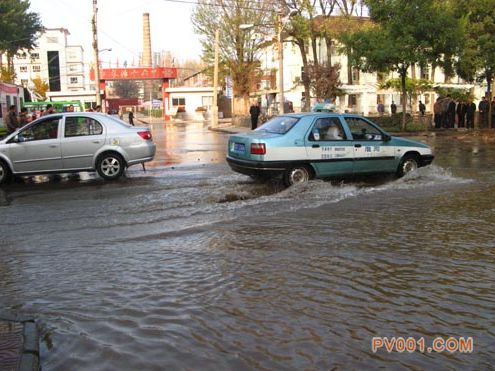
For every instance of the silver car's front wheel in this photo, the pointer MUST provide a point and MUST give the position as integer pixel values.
(296, 175)
(110, 166)
(4, 173)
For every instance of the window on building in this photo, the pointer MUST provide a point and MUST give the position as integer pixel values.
(23, 69)
(74, 80)
(21, 56)
(73, 68)
(381, 77)
(355, 75)
(425, 73)
(52, 40)
(72, 55)
(178, 102)
(352, 100)
(207, 101)
(35, 55)
(36, 68)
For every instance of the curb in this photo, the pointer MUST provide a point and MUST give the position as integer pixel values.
(229, 129)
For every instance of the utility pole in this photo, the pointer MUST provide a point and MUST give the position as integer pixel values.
(280, 65)
(214, 108)
(95, 53)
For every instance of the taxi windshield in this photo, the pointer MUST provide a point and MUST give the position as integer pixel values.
(278, 125)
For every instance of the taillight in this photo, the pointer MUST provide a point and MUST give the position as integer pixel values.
(146, 135)
(258, 148)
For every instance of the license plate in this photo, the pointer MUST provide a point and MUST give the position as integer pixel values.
(239, 147)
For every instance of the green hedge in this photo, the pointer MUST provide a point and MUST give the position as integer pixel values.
(393, 123)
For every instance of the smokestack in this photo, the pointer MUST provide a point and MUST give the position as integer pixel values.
(146, 58)
(146, 62)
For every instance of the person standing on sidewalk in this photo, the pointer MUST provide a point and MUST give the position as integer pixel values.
(23, 117)
(131, 118)
(493, 112)
(393, 108)
(254, 111)
(483, 107)
(470, 110)
(11, 120)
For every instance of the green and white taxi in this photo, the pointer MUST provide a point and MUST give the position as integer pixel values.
(323, 145)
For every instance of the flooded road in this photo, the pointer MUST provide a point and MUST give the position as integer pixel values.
(190, 266)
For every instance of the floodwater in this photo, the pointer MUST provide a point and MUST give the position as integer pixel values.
(190, 266)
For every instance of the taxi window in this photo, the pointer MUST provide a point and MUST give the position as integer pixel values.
(278, 125)
(327, 128)
(363, 130)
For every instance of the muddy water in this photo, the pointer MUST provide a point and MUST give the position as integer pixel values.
(189, 266)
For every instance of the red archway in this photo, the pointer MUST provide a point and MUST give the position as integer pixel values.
(140, 73)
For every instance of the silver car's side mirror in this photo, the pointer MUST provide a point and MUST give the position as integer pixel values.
(19, 138)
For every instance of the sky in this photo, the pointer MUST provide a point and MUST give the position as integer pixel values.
(120, 27)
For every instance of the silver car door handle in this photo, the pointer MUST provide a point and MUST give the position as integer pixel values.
(53, 145)
(96, 141)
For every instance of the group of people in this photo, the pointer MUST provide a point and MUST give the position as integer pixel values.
(449, 113)
(381, 108)
(13, 121)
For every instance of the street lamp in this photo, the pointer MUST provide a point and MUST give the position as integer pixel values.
(214, 108)
(280, 25)
(94, 24)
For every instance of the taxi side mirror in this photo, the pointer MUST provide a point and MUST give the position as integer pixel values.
(386, 137)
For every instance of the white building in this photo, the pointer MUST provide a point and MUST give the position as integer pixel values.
(54, 61)
(362, 93)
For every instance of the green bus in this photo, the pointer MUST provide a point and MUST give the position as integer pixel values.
(62, 106)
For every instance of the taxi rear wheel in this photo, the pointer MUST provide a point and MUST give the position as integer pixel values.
(296, 175)
(408, 164)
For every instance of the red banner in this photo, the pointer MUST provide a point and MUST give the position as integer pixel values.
(140, 73)
(9, 89)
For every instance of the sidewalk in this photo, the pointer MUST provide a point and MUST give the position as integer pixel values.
(19, 343)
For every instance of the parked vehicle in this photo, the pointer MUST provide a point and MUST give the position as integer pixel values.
(73, 142)
(323, 145)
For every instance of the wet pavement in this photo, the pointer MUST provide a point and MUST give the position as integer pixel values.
(190, 266)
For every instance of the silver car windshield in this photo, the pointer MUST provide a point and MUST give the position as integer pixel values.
(278, 125)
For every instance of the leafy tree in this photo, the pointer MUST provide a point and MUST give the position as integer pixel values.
(239, 48)
(324, 81)
(7, 75)
(456, 94)
(407, 32)
(18, 28)
(40, 87)
(477, 59)
(126, 88)
(322, 21)
(414, 87)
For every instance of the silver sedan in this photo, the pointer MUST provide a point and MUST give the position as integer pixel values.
(73, 142)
